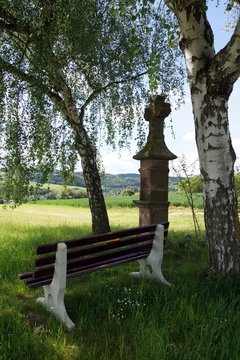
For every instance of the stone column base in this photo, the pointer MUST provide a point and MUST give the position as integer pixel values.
(152, 212)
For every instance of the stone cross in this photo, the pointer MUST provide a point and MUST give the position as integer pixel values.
(154, 157)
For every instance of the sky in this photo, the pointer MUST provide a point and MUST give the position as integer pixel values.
(183, 143)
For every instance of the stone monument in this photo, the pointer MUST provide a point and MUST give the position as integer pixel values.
(154, 157)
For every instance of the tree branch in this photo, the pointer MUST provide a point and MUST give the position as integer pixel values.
(98, 91)
(7, 27)
(64, 89)
(12, 23)
(227, 61)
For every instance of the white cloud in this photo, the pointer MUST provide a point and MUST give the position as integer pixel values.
(188, 101)
(236, 146)
(114, 164)
(190, 136)
(236, 143)
(192, 163)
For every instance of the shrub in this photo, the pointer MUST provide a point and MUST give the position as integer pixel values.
(73, 194)
(195, 182)
(52, 195)
(127, 192)
(237, 183)
(79, 194)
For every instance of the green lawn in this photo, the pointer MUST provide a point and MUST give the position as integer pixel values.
(117, 317)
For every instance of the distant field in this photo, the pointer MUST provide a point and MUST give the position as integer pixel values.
(111, 201)
(123, 201)
(181, 200)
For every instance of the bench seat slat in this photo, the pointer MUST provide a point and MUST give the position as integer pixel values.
(48, 271)
(26, 275)
(50, 259)
(47, 248)
(34, 283)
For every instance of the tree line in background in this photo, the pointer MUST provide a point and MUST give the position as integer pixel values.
(121, 184)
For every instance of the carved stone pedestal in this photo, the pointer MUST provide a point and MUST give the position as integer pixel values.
(153, 203)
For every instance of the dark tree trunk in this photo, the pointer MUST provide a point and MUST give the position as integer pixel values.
(87, 152)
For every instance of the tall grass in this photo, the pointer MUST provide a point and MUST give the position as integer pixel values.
(118, 317)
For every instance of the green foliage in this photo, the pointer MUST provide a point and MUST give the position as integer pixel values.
(165, 66)
(73, 194)
(195, 183)
(97, 51)
(52, 195)
(127, 192)
(232, 4)
(237, 183)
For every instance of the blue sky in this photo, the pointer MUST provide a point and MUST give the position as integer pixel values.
(184, 142)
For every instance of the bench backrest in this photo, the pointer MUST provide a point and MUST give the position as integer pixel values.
(94, 253)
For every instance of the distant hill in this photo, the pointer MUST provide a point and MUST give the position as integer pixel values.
(119, 182)
(112, 184)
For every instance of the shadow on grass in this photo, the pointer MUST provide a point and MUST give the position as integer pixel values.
(117, 316)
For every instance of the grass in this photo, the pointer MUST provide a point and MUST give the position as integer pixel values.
(117, 317)
(181, 200)
(55, 215)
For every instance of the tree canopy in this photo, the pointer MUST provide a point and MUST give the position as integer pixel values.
(65, 59)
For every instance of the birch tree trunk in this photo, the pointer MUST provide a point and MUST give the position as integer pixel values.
(211, 78)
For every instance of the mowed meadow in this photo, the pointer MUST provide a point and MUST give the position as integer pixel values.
(116, 316)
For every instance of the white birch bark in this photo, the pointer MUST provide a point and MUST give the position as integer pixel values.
(211, 80)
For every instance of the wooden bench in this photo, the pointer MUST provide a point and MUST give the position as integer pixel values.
(82, 256)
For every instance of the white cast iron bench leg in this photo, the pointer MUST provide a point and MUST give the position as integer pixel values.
(53, 298)
(154, 260)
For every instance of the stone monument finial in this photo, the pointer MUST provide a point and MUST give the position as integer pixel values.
(156, 149)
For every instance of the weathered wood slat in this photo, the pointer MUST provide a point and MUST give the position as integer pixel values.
(47, 248)
(112, 249)
(34, 283)
(50, 259)
(25, 275)
(80, 264)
